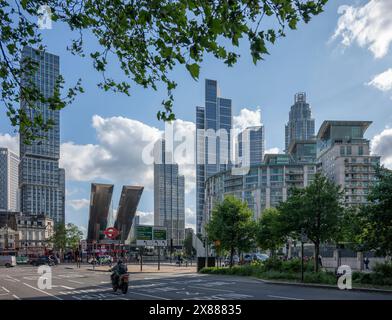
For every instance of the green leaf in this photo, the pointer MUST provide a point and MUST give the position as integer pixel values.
(194, 70)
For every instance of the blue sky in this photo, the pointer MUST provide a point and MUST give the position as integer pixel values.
(335, 73)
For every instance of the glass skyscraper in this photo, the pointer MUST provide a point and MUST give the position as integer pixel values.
(213, 125)
(41, 181)
(301, 123)
(169, 195)
(251, 144)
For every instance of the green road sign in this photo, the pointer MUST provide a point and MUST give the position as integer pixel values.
(160, 234)
(144, 232)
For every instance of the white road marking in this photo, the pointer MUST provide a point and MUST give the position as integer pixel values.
(6, 290)
(206, 288)
(281, 297)
(68, 288)
(148, 295)
(17, 280)
(74, 281)
(47, 293)
(16, 297)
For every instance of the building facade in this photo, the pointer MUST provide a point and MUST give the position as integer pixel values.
(35, 230)
(213, 150)
(264, 186)
(251, 145)
(169, 197)
(41, 181)
(301, 124)
(9, 238)
(343, 155)
(9, 189)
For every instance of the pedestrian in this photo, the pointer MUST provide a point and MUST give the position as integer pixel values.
(366, 262)
(320, 261)
(77, 258)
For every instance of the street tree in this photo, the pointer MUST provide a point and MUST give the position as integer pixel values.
(377, 215)
(269, 235)
(146, 39)
(316, 210)
(232, 225)
(66, 236)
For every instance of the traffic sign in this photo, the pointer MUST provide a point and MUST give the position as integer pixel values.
(151, 236)
(111, 233)
(143, 232)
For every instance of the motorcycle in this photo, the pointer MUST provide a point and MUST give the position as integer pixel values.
(120, 283)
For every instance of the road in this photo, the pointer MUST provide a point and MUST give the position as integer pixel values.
(81, 284)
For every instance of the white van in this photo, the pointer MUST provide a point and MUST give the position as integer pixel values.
(8, 261)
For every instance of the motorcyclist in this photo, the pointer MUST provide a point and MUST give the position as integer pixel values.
(119, 269)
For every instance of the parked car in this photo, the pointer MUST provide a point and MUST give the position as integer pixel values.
(42, 261)
(8, 261)
(22, 260)
(236, 260)
(249, 257)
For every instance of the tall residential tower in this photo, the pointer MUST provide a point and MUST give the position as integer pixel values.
(41, 181)
(9, 162)
(301, 123)
(169, 196)
(213, 125)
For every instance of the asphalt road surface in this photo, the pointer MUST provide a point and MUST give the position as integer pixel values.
(21, 282)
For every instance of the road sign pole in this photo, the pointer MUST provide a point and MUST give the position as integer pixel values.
(159, 257)
(141, 260)
(302, 261)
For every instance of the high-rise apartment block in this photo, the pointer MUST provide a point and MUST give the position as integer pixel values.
(343, 155)
(169, 196)
(301, 123)
(250, 146)
(213, 126)
(9, 194)
(41, 181)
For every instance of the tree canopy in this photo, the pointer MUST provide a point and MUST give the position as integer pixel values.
(146, 37)
(269, 234)
(376, 217)
(66, 236)
(316, 210)
(232, 226)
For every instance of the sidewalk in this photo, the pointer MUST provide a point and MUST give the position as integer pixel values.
(150, 268)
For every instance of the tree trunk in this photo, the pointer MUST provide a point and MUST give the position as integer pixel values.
(316, 253)
(231, 256)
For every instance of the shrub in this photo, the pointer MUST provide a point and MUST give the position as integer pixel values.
(273, 264)
(384, 269)
(320, 277)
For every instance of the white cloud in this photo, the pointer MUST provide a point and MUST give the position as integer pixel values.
(381, 145)
(272, 150)
(78, 204)
(10, 142)
(370, 26)
(382, 81)
(146, 217)
(118, 155)
(190, 218)
(247, 118)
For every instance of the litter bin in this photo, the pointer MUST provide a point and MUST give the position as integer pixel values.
(201, 262)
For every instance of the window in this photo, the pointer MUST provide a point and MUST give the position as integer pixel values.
(348, 150)
(342, 151)
(360, 150)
